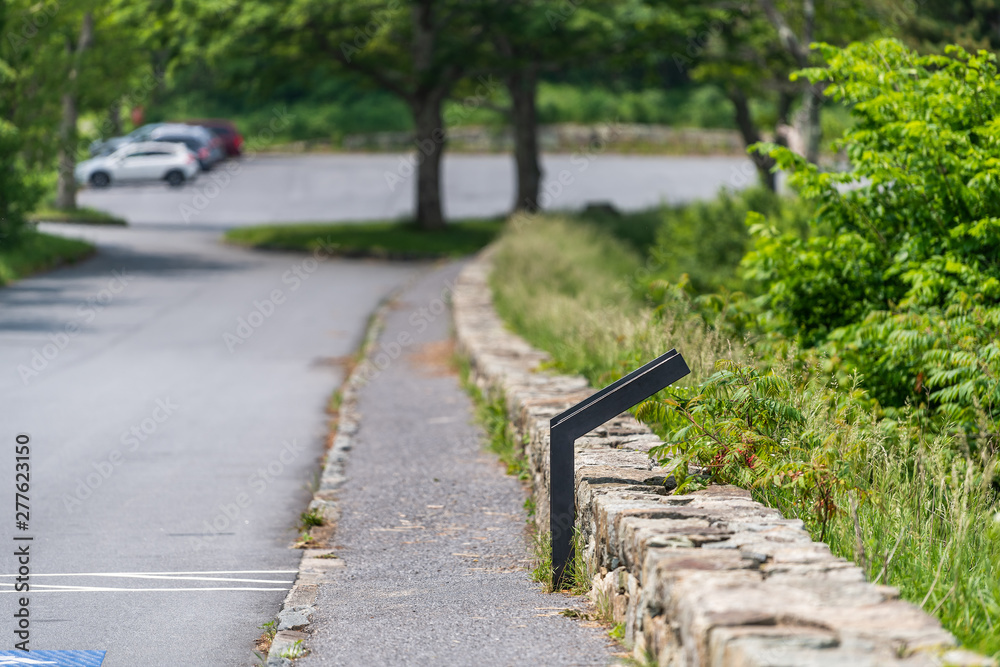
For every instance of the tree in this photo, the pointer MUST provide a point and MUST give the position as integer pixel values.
(749, 51)
(417, 50)
(798, 46)
(972, 24)
(66, 186)
(71, 60)
(530, 38)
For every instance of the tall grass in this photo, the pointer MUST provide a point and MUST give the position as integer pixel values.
(578, 293)
(920, 513)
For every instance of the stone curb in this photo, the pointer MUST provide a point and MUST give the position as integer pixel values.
(316, 564)
(709, 579)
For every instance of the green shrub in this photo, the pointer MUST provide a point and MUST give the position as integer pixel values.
(20, 191)
(899, 276)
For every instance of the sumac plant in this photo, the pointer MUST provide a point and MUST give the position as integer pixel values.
(791, 444)
(898, 277)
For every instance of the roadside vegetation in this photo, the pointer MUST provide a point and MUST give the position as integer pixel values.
(81, 215)
(843, 344)
(393, 240)
(33, 252)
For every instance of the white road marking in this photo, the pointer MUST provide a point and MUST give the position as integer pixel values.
(162, 576)
(115, 574)
(138, 590)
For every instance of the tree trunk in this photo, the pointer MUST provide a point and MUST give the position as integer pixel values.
(812, 96)
(426, 103)
(523, 87)
(115, 118)
(66, 184)
(751, 135)
(430, 140)
(811, 130)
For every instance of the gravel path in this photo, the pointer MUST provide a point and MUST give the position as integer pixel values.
(432, 530)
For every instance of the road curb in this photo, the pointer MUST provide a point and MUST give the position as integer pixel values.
(316, 564)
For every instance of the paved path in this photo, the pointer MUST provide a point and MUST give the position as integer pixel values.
(340, 187)
(432, 530)
(169, 463)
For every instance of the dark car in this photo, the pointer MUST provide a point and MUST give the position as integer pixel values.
(203, 143)
(232, 140)
(108, 146)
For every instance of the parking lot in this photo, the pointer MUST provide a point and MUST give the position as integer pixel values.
(341, 187)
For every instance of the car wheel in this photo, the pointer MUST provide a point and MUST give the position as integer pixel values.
(175, 179)
(100, 179)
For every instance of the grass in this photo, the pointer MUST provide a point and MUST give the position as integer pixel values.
(394, 240)
(928, 518)
(574, 290)
(294, 651)
(491, 412)
(36, 252)
(82, 215)
(268, 631)
(310, 518)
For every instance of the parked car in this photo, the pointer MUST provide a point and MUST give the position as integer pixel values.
(140, 161)
(232, 140)
(109, 146)
(206, 146)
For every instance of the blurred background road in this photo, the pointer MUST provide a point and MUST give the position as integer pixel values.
(345, 187)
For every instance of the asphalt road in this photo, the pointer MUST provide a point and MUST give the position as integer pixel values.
(343, 187)
(167, 440)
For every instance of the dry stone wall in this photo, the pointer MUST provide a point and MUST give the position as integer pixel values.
(706, 579)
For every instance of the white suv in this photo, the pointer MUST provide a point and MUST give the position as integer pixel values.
(144, 161)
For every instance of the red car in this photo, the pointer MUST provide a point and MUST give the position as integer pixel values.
(232, 141)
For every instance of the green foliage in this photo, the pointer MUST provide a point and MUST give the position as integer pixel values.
(541, 547)
(707, 240)
(80, 215)
(35, 252)
(492, 414)
(577, 291)
(898, 276)
(697, 106)
(790, 442)
(19, 190)
(310, 518)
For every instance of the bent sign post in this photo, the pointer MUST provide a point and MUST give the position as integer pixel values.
(579, 420)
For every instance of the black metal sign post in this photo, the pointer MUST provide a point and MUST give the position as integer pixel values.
(579, 420)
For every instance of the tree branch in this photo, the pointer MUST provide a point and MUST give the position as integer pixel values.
(383, 79)
(785, 33)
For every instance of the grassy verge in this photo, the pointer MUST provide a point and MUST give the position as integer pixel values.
(37, 252)
(392, 240)
(916, 510)
(83, 216)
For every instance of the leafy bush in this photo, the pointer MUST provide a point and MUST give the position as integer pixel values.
(707, 240)
(702, 106)
(20, 192)
(899, 276)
